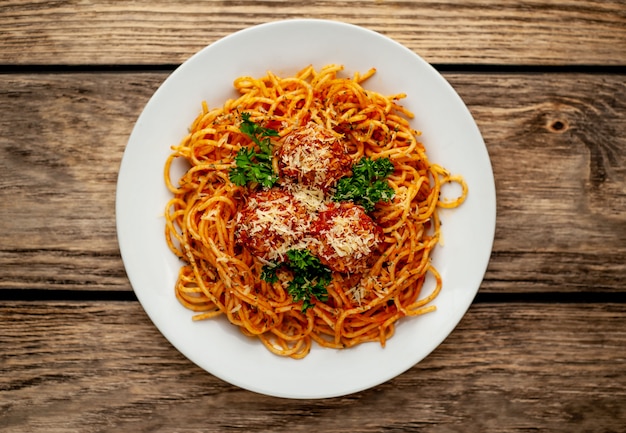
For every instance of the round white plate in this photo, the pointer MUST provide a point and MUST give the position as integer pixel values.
(449, 133)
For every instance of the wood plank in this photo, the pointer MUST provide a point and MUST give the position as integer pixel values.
(558, 152)
(555, 141)
(103, 367)
(62, 143)
(168, 32)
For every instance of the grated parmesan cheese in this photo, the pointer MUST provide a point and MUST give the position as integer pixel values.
(314, 156)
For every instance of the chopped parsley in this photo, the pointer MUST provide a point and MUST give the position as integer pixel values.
(268, 273)
(367, 185)
(254, 166)
(310, 277)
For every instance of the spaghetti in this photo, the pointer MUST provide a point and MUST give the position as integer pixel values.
(227, 234)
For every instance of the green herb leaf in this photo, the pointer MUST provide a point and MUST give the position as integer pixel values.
(254, 130)
(310, 277)
(268, 273)
(367, 185)
(253, 166)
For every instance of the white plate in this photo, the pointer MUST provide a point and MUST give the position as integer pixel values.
(449, 133)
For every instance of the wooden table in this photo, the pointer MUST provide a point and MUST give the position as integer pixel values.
(542, 348)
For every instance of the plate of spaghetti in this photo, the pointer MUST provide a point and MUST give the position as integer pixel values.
(305, 209)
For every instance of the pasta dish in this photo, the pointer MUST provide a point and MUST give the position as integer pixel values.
(308, 212)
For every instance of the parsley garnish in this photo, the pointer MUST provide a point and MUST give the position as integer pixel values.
(310, 277)
(253, 166)
(367, 185)
(268, 273)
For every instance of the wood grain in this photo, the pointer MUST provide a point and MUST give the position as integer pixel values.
(62, 141)
(101, 367)
(558, 151)
(105, 32)
(556, 143)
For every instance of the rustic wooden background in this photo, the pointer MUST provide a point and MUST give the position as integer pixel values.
(543, 347)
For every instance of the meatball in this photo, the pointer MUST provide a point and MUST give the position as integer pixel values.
(270, 223)
(313, 156)
(346, 237)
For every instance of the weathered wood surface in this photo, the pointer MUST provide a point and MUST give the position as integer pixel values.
(168, 32)
(103, 367)
(556, 141)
